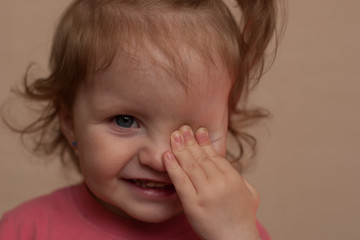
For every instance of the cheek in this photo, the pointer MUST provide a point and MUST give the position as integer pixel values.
(104, 156)
(220, 147)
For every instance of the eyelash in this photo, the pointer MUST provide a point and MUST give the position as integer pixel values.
(129, 122)
(134, 121)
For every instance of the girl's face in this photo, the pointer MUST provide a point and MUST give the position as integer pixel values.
(122, 124)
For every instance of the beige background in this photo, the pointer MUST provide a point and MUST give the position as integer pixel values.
(307, 168)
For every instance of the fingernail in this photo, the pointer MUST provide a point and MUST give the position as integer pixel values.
(202, 133)
(169, 156)
(187, 134)
(176, 137)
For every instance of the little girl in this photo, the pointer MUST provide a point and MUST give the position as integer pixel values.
(142, 95)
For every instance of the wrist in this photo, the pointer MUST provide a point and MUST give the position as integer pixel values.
(248, 233)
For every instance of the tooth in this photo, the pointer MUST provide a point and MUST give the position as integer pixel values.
(151, 184)
(146, 184)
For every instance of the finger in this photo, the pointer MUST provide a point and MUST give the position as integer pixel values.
(184, 187)
(187, 162)
(203, 139)
(198, 153)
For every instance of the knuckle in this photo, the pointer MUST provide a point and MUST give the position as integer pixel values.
(182, 180)
(220, 184)
(201, 158)
(191, 166)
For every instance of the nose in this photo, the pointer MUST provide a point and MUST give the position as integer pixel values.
(152, 153)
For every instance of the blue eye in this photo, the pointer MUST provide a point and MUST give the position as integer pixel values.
(126, 121)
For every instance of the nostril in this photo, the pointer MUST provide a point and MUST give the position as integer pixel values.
(152, 159)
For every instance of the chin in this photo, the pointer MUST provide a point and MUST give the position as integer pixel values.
(155, 216)
(156, 219)
(145, 214)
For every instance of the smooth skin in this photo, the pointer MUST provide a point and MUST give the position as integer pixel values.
(124, 122)
(218, 201)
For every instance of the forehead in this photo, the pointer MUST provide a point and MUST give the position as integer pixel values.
(165, 38)
(151, 72)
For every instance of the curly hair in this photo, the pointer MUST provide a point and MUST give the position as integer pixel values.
(89, 33)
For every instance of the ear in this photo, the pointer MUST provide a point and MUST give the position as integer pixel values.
(67, 124)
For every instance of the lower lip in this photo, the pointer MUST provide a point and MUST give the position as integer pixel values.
(152, 193)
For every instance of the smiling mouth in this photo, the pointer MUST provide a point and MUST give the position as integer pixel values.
(155, 185)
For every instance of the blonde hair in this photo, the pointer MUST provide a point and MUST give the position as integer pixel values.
(90, 32)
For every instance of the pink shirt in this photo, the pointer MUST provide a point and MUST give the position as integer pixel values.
(72, 213)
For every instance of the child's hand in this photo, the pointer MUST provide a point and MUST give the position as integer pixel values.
(218, 202)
